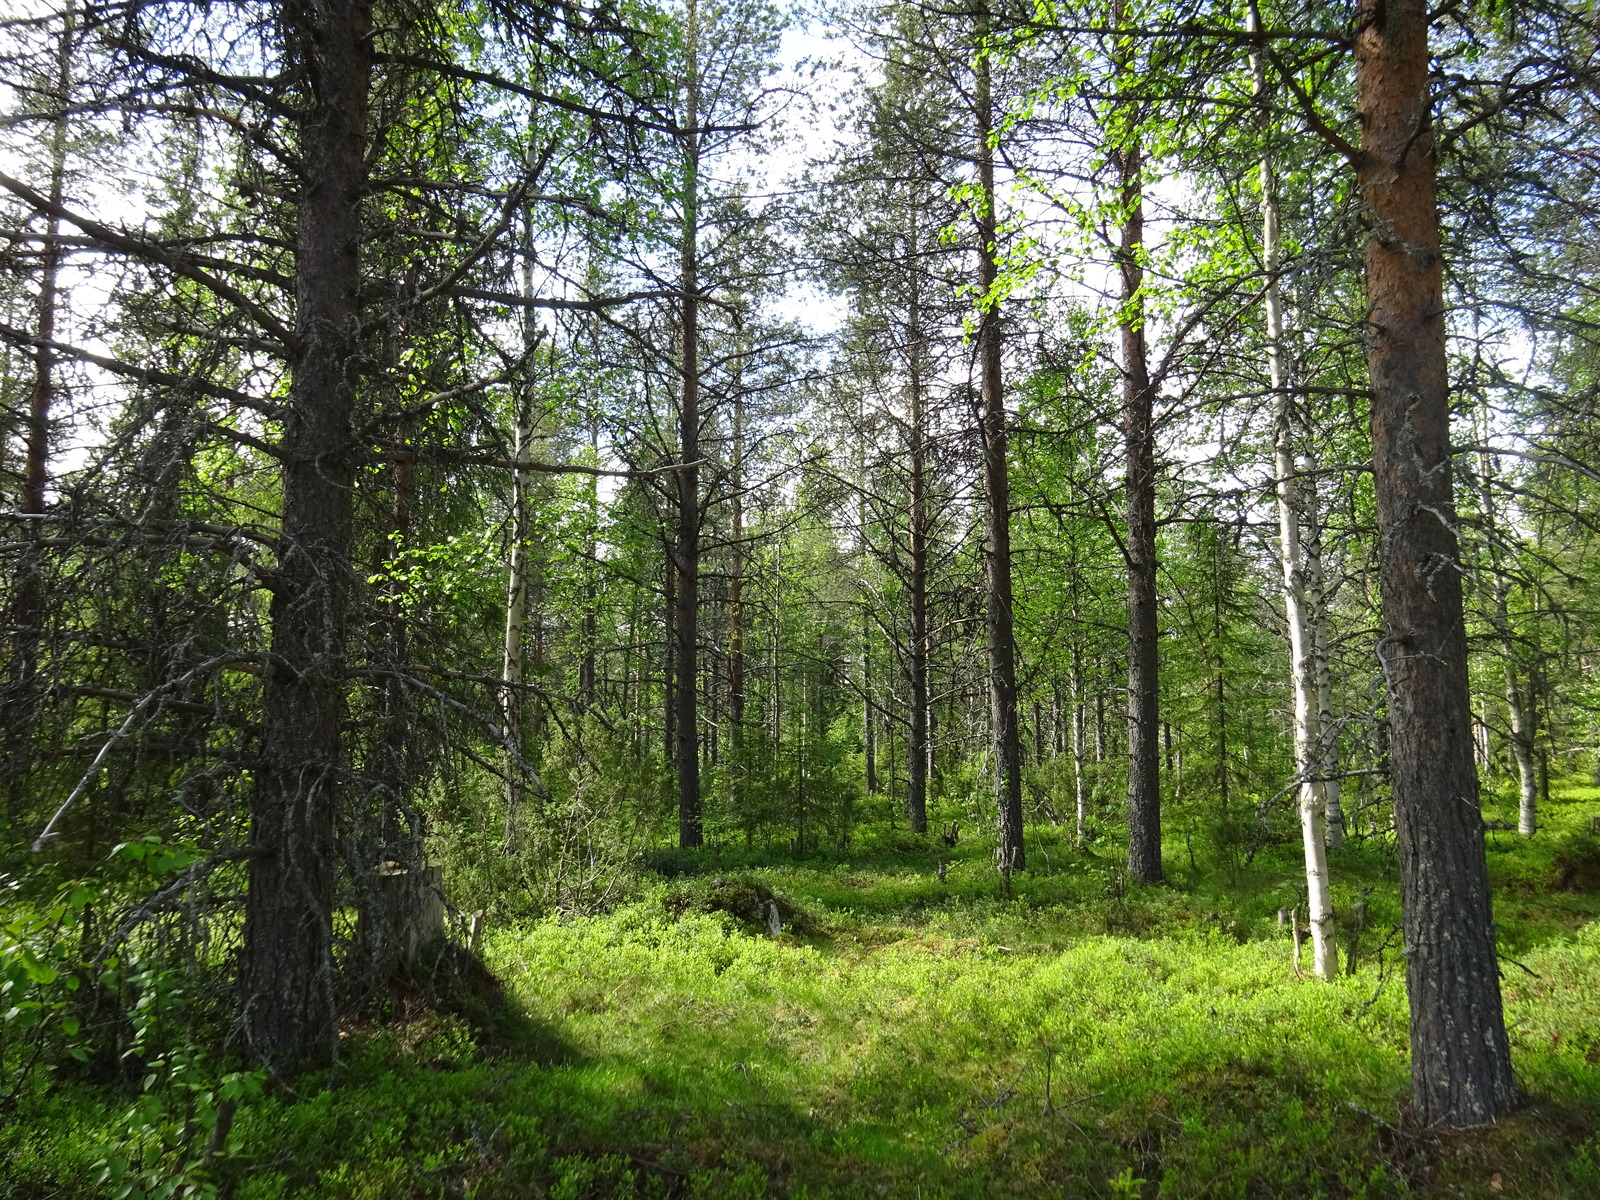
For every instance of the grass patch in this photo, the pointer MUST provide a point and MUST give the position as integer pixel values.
(909, 1036)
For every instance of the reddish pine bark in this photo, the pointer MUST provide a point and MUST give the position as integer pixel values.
(1460, 1058)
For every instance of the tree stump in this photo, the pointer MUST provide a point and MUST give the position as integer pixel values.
(404, 917)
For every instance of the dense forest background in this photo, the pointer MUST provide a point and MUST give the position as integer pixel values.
(462, 463)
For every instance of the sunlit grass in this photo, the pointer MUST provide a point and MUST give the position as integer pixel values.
(907, 1036)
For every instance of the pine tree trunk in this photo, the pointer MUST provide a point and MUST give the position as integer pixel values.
(1460, 1056)
(869, 749)
(917, 752)
(688, 478)
(1003, 729)
(669, 692)
(1138, 419)
(286, 994)
(28, 606)
(868, 728)
(1080, 823)
(736, 594)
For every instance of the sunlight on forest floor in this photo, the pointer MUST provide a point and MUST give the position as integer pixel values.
(907, 1036)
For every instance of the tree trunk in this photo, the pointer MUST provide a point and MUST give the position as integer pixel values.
(516, 624)
(1523, 731)
(1080, 824)
(736, 598)
(1523, 734)
(517, 582)
(28, 603)
(1138, 422)
(669, 693)
(1317, 600)
(286, 995)
(997, 493)
(1308, 738)
(588, 682)
(1101, 734)
(868, 728)
(396, 839)
(28, 609)
(688, 478)
(1460, 1055)
(917, 582)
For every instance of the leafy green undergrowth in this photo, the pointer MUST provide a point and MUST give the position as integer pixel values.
(909, 1036)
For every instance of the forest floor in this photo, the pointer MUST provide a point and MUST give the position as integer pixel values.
(908, 1036)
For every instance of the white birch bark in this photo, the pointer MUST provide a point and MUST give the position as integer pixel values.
(516, 625)
(517, 575)
(1517, 708)
(1326, 751)
(1522, 733)
(1307, 707)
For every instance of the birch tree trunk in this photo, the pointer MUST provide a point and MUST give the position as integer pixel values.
(1460, 1055)
(1523, 731)
(1302, 670)
(516, 626)
(1327, 756)
(588, 681)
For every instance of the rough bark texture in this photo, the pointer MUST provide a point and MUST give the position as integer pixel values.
(1080, 806)
(1138, 427)
(28, 601)
(736, 593)
(687, 628)
(917, 578)
(1460, 1059)
(286, 1009)
(997, 494)
(669, 707)
(390, 838)
(869, 745)
(588, 682)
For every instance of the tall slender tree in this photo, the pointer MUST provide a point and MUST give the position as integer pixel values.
(998, 617)
(1138, 427)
